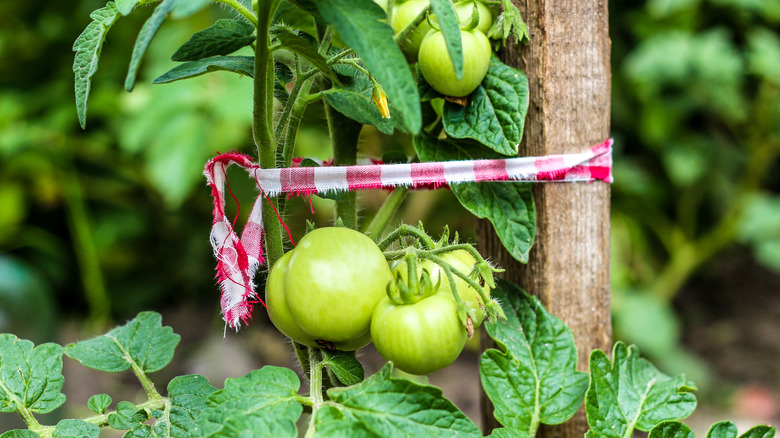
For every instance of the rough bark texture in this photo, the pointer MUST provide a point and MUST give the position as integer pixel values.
(568, 65)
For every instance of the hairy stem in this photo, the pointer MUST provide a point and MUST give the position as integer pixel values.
(315, 387)
(246, 13)
(262, 122)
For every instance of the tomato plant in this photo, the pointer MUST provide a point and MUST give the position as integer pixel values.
(334, 290)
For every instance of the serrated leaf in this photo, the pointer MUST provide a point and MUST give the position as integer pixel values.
(384, 406)
(126, 6)
(143, 342)
(495, 113)
(630, 393)
(358, 23)
(450, 28)
(98, 403)
(263, 400)
(222, 38)
(87, 47)
(344, 365)
(533, 378)
(127, 416)
(354, 101)
(509, 206)
(76, 429)
(243, 65)
(20, 433)
(296, 44)
(148, 30)
(188, 396)
(30, 377)
(671, 429)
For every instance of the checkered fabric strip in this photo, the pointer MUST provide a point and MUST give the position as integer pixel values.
(239, 258)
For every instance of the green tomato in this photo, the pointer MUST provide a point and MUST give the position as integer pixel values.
(419, 338)
(403, 14)
(466, 8)
(436, 64)
(323, 292)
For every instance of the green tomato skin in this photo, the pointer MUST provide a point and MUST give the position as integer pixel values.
(334, 279)
(436, 64)
(404, 14)
(464, 11)
(284, 321)
(419, 338)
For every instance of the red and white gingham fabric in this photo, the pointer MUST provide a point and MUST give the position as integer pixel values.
(239, 258)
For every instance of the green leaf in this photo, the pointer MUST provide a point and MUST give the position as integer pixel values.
(450, 28)
(188, 396)
(727, 429)
(148, 30)
(263, 400)
(283, 75)
(505, 432)
(76, 429)
(762, 431)
(98, 403)
(296, 44)
(222, 38)
(510, 23)
(383, 406)
(354, 100)
(344, 365)
(243, 65)
(509, 206)
(764, 53)
(533, 378)
(358, 23)
(671, 429)
(126, 6)
(630, 393)
(30, 377)
(20, 433)
(495, 113)
(143, 343)
(87, 47)
(127, 417)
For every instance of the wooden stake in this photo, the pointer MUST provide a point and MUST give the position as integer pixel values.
(568, 65)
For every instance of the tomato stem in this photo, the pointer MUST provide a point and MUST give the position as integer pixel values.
(422, 16)
(386, 212)
(407, 231)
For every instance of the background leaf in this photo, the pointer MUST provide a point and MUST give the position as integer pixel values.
(243, 65)
(87, 47)
(263, 400)
(222, 38)
(495, 113)
(30, 377)
(533, 379)
(358, 23)
(145, 36)
(630, 393)
(296, 44)
(383, 406)
(142, 342)
(20, 433)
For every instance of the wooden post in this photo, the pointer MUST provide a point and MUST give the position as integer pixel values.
(568, 65)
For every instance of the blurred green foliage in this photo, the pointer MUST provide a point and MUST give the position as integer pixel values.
(119, 212)
(696, 115)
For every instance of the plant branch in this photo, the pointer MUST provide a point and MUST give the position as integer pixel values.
(386, 212)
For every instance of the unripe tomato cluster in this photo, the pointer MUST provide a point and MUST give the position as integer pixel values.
(427, 46)
(334, 291)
